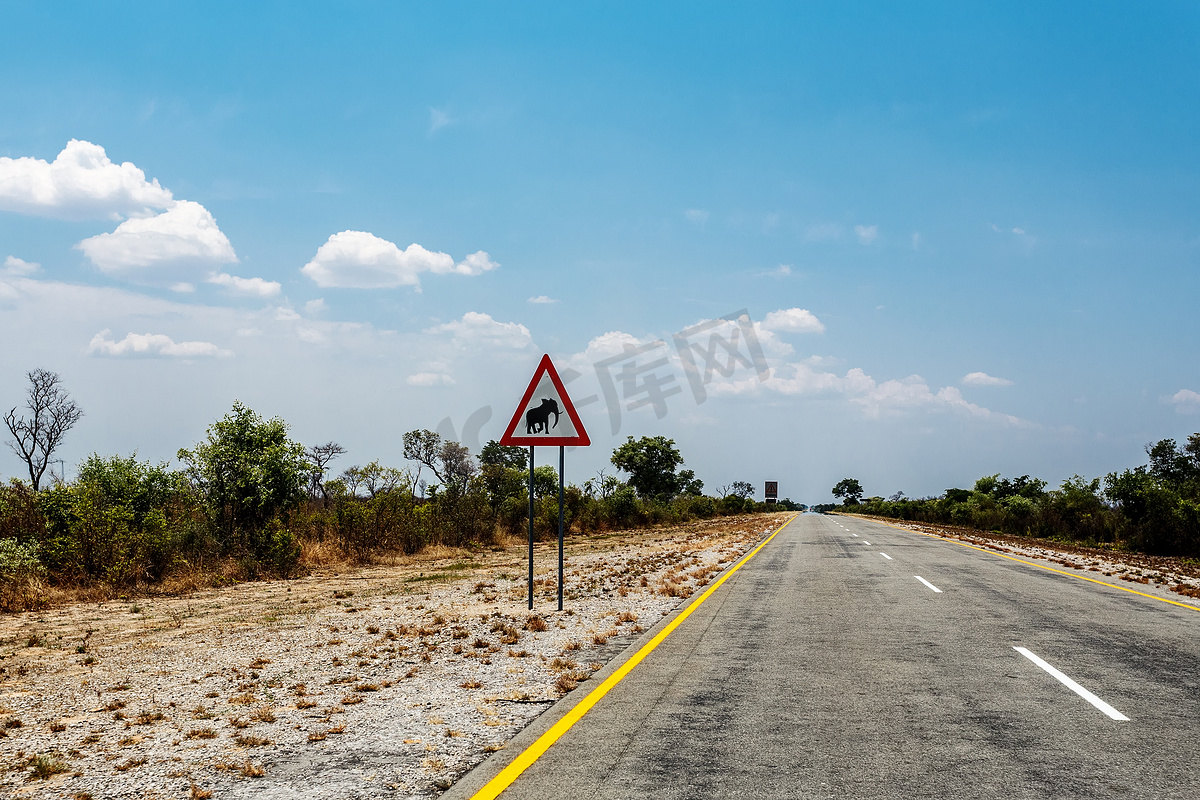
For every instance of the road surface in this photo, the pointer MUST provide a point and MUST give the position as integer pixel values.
(830, 666)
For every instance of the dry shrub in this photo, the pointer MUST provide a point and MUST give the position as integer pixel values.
(535, 623)
(264, 714)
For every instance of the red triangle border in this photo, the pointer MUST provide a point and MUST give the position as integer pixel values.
(582, 440)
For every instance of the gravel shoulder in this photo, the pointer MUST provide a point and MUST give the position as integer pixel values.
(390, 681)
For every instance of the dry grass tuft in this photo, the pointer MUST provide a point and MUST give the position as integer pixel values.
(200, 794)
(351, 699)
(45, 767)
(249, 770)
(264, 714)
(131, 763)
(202, 733)
(471, 684)
(251, 741)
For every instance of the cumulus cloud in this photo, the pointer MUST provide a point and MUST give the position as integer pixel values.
(255, 287)
(18, 267)
(361, 260)
(429, 379)
(875, 398)
(542, 299)
(151, 345)
(149, 249)
(81, 183)
(476, 329)
(792, 320)
(983, 379)
(866, 233)
(1185, 401)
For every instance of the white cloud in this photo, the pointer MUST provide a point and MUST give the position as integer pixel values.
(876, 399)
(256, 287)
(1185, 401)
(782, 271)
(81, 183)
(438, 119)
(916, 241)
(477, 329)
(429, 379)
(983, 379)
(361, 260)
(1019, 231)
(19, 267)
(150, 345)
(866, 233)
(183, 287)
(148, 249)
(825, 231)
(475, 264)
(697, 216)
(793, 320)
(314, 307)
(541, 299)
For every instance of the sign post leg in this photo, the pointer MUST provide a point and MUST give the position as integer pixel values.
(531, 527)
(561, 451)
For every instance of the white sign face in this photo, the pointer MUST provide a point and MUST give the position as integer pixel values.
(545, 415)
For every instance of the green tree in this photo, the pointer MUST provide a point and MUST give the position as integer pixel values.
(496, 454)
(651, 463)
(849, 490)
(742, 489)
(249, 473)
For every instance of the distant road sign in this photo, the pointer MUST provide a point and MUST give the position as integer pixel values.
(545, 415)
(772, 491)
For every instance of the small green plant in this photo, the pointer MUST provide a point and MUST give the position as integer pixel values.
(46, 767)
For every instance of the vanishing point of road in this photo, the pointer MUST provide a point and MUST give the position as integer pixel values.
(849, 659)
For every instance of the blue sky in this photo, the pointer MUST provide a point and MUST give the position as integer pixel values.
(966, 238)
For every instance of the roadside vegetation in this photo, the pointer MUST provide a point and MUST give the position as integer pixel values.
(248, 502)
(1152, 509)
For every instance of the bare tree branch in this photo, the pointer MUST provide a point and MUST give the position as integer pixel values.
(52, 414)
(320, 455)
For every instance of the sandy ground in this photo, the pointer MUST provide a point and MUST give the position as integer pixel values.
(389, 681)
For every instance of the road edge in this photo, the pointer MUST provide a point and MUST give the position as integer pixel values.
(485, 771)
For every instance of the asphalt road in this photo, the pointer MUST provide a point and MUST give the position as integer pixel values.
(824, 668)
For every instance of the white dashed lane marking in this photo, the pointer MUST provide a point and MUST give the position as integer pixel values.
(927, 583)
(1111, 712)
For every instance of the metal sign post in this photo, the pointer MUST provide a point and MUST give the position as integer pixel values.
(561, 451)
(536, 421)
(531, 527)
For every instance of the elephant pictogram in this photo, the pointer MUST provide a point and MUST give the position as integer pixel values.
(537, 420)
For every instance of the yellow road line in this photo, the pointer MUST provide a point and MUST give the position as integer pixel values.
(1039, 566)
(525, 760)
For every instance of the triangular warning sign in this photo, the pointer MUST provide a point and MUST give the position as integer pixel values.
(546, 415)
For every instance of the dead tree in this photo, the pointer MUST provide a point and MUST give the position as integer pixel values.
(52, 414)
(319, 455)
